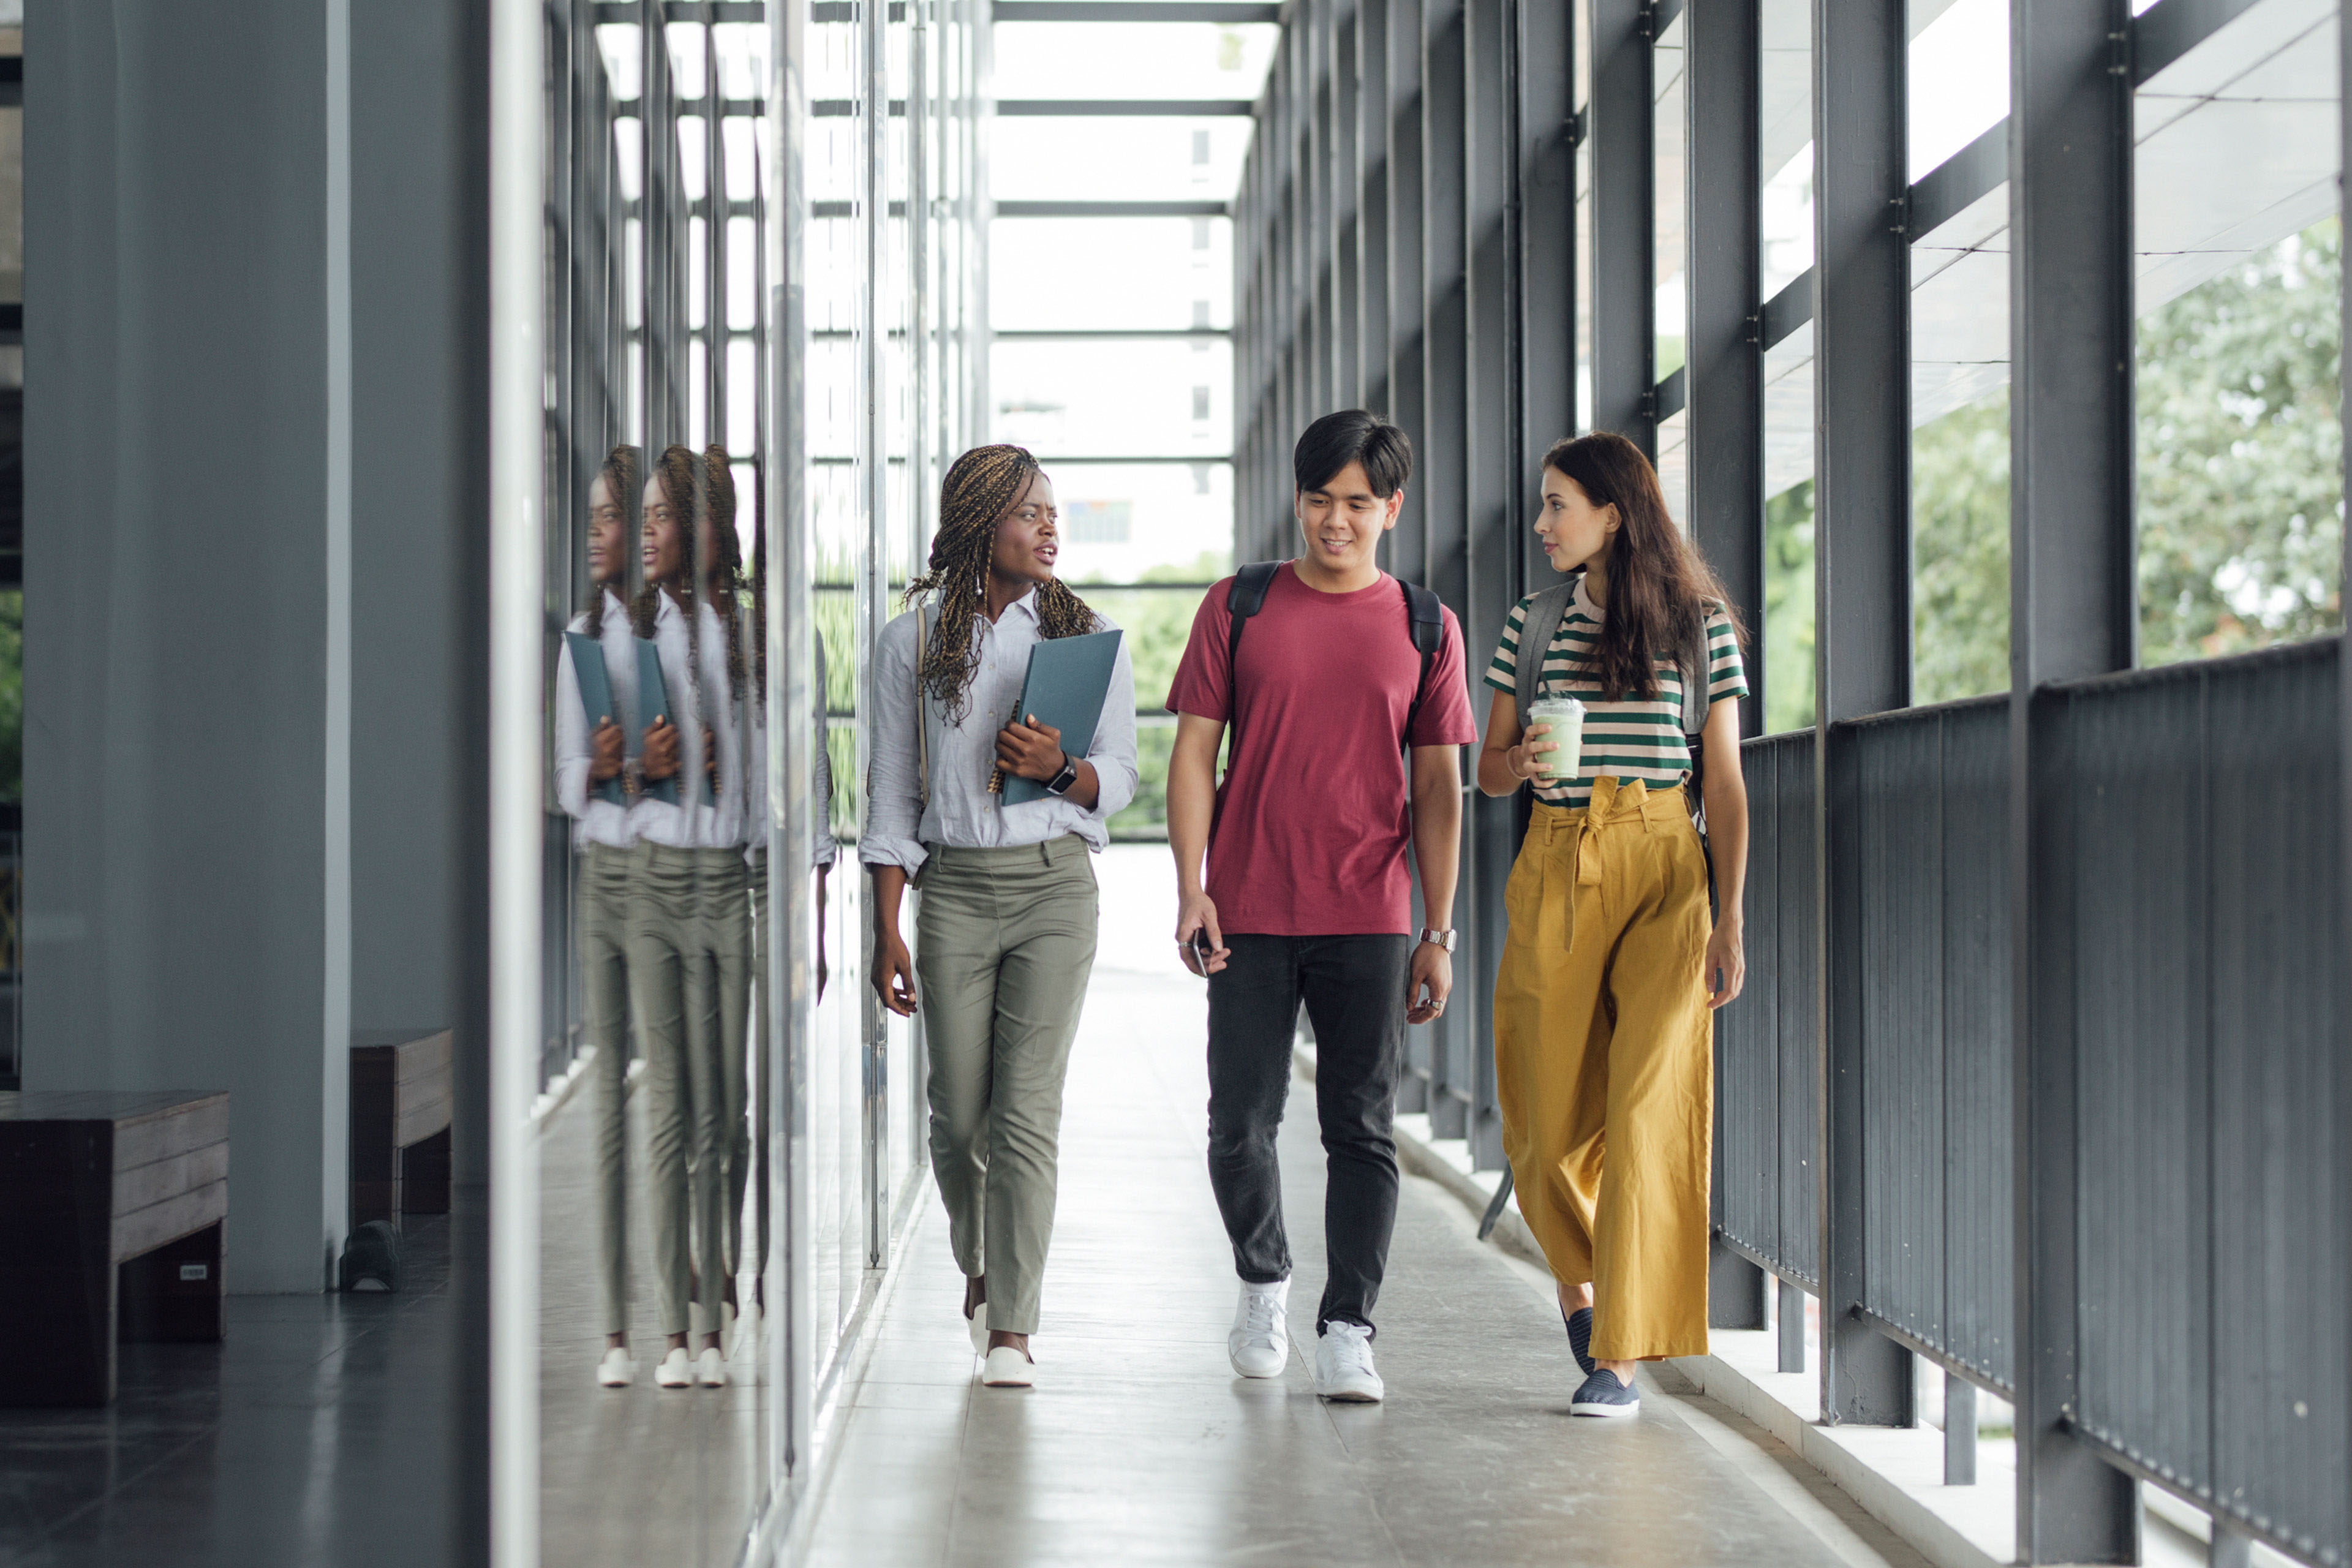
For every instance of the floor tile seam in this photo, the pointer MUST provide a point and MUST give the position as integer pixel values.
(51, 1531)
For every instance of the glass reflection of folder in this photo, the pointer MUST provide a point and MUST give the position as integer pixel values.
(596, 698)
(1069, 678)
(653, 698)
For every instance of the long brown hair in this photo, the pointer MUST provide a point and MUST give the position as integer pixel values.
(1661, 589)
(725, 578)
(980, 487)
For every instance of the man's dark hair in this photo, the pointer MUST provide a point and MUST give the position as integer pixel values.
(1352, 435)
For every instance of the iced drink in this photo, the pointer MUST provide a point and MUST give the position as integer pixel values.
(1565, 715)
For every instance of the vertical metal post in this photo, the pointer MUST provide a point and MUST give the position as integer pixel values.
(517, 558)
(1408, 299)
(1347, 210)
(1790, 1309)
(1959, 1431)
(1863, 608)
(2343, 417)
(1546, 253)
(873, 571)
(2229, 1547)
(2072, 612)
(1374, 389)
(1623, 129)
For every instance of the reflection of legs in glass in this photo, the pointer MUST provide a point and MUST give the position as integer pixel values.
(661, 907)
(604, 964)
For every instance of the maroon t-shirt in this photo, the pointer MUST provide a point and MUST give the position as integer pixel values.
(1314, 818)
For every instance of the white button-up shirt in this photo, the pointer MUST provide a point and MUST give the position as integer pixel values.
(594, 819)
(963, 815)
(696, 701)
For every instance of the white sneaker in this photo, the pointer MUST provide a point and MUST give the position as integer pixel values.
(616, 1369)
(1259, 1346)
(710, 1367)
(675, 1371)
(1343, 1364)
(1008, 1368)
(976, 1322)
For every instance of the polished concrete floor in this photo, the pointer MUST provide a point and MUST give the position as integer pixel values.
(1140, 1446)
(326, 1428)
(635, 1475)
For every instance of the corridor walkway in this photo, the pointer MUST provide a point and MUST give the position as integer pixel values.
(1140, 1446)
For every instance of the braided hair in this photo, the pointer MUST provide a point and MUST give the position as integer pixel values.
(619, 473)
(980, 487)
(724, 580)
(680, 475)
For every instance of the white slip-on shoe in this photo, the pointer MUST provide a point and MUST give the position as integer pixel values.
(1259, 1346)
(616, 1369)
(1008, 1368)
(675, 1371)
(710, 1368)
(1343, 1364)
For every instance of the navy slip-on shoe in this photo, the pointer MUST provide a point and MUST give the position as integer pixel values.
(1602, 1395)
(1579, 1338)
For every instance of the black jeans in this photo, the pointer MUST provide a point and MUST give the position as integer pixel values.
(1354, 990)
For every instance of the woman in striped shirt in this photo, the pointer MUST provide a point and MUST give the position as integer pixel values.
(1612, 962)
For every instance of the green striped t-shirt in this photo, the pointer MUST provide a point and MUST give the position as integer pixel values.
(1632, 740)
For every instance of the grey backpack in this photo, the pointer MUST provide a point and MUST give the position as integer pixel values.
(1549, 608)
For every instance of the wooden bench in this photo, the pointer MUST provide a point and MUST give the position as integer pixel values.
(110, 1213)
(400, 1124)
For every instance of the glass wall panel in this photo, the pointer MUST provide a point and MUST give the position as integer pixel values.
(1785, 166)
(2239, 237)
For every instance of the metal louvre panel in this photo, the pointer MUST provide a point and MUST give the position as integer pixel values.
(1797, 920)
(1902, 1047)
(2135, 795)
(1937, 1182)
(1979, 1138)
(1746, 1033)
(2280, 1426)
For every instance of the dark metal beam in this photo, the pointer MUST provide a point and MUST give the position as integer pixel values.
(2072, 613)
(1547, 258)
(1861, 554)
(1621, 125)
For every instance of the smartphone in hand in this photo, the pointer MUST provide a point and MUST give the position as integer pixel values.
(1201, 951)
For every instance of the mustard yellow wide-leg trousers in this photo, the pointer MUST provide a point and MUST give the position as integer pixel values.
(1602, 1042)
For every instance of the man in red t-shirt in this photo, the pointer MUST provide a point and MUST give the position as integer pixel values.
(1306, 896)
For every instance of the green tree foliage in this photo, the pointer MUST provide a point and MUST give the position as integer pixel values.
(1960, 544)
(2240, 465)
(1788, 634)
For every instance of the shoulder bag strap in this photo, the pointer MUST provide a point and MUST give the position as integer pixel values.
(1545, 612)
(1246, 599)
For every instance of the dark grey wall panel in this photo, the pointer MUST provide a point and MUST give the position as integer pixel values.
(175, 576)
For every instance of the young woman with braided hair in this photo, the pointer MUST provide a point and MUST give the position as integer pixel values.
(1006, 925)
(589, 751)
(684, 934)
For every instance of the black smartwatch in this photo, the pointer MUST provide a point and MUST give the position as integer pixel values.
(1060, 782)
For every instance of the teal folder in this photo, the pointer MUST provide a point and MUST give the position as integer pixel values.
(653, 703)
(595, 697)
(1069, 678)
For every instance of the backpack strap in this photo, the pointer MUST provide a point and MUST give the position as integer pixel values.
(1545, 612)
(1425, 615)
(1246, 598)
(1698, 665)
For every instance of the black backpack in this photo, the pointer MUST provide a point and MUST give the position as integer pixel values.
(1424, 619)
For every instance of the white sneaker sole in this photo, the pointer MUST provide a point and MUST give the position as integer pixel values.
(1353, 1394)
(1234, 1356)
(1607, 1412)
(1008, 1368)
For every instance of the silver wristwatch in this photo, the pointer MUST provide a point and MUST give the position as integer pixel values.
(1436, 938)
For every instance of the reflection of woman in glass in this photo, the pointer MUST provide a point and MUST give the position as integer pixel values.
(719, 966)
(1007, 919)
(589, 756)
(668, 983)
